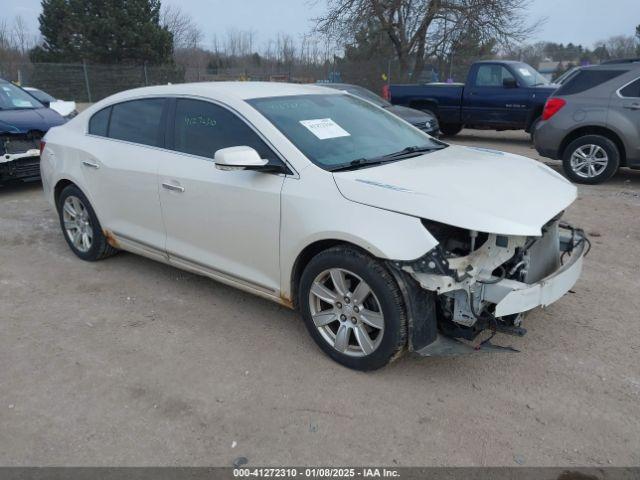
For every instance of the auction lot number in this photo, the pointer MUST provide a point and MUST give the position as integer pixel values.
(315, 472)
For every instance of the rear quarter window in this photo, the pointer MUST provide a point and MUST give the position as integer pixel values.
(586, 80)
(99, 123)
(632, 90)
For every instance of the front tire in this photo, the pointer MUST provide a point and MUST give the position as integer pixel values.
(591, 159)
(450, 129)
(532, 129)
(353, 308)
(80, 226)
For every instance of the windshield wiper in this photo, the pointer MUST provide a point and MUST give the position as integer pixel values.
(354, 164)
(391, 157)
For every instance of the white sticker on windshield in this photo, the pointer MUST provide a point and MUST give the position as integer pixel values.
(21, 103)
(325, 128)
(524, 72)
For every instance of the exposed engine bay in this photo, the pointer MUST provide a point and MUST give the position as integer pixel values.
(486, 281)
(20, 155)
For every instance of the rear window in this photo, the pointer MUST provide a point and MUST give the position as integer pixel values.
(587, 79)
(99, 123)
(137, 121)
(631, 90)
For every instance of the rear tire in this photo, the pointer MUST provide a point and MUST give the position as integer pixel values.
(359, 319)
(80, 226)
(591, 159)
(450, 129)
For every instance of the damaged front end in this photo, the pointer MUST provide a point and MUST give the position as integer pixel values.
(486, 282)
(20, 155)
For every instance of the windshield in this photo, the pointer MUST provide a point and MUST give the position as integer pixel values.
(14, 98)
(530, 76)
(40, 95)
(334, 130)
(367, 95)
(359, 92)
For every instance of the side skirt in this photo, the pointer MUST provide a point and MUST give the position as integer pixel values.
(123, 242)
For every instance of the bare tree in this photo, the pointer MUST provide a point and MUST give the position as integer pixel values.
(619, 46)
(186, 33)
(21, 35)
(419, 29)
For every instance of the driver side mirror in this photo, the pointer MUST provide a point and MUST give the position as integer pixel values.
(509, 83)
(238, 158)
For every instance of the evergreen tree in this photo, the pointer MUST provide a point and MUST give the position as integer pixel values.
(102, 31)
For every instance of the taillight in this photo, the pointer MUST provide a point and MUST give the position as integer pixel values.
(386, 94)
(42, 145)
(552, 107)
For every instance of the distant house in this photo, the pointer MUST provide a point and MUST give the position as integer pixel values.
(550, 70)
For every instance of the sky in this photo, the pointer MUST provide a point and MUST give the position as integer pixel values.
(578, 21)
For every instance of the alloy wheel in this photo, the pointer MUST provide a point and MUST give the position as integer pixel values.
(589, 161)
(346, 312)
(77, 223)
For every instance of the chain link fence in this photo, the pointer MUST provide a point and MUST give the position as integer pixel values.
(88, 83)
(83, 82)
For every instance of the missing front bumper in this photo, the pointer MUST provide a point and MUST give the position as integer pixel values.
(511, 297)
(503, 301)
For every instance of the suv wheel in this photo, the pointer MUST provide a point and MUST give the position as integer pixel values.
(532, 129)
(353, 308)
(80, 226)
(591, 159)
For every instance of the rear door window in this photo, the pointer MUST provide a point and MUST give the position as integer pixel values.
(202, 128)
(586, 80)
(137, 121)
(632, 90)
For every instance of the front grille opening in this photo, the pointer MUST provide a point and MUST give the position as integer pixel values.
(12, 143)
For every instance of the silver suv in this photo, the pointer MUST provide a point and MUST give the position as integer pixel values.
(592, 122)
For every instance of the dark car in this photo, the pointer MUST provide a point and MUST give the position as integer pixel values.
(592, 122)
(425, 121)
(498, 95)
(23, 122)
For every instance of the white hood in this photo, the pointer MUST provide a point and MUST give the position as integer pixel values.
(473, 188)
(63, 107)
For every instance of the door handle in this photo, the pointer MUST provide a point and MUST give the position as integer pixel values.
(633, 106)
(90, 164)
(172, 187)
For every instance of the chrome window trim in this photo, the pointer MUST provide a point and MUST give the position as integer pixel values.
(232, 110)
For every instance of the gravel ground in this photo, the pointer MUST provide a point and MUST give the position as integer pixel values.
(131, 362)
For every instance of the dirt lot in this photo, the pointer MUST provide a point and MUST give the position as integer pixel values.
(128, 361)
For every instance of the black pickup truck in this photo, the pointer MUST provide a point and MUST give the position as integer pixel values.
(498, 95)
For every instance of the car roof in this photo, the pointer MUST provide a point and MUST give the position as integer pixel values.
(338, 85)
(612, 66)
(499, 61)
(238, 90)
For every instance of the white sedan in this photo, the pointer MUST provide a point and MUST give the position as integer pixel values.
(384, 239)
